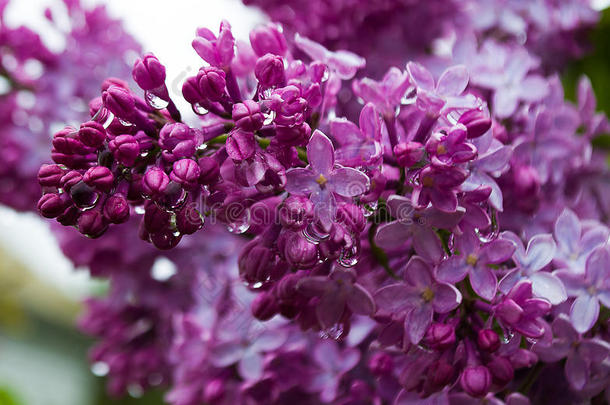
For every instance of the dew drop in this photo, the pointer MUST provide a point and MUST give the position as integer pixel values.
(155, 101)
(100, 368)
(269, 117)
(199, 109)
(239, 224)
(326, 74)
(349, 257)
(103, 116)
(334, 332)
(139, 209)
(125, 123)
(314, 233)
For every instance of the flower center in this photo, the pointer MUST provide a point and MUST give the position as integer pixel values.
(471, 260)
(321, 180)
(428, 181)
(427, 294)
(592, 290)
(441, 150)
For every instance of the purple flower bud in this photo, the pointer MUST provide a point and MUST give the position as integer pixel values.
(352, 217)
(488, 340)
(176, 137)
(293, 136)
(66, 141)
(241, 145)
(248, 116)
(296, 212)
(440, 336)
(92, 134)
(70, 179)
(476, 381)
(125, 149)
(339, 240)
(92, 223)
(381, 364)
(50, 175)
(269, 70)
(148, 72)
(523, 358)
(53, 204)
(155, 182)
(264, 306)
(116, 209)
(501, 370)
(209, 170)
(409, 153)
(69, 217)
(476, 122)
(298, 251)
(209, 84)
(155, 219)
(114, 81)
(165, 239)
(188, 219)
(190, 90)
(83, 195)
(119, 101)
(99, 177)
(185, 172)
(257, 263)
(268, 39)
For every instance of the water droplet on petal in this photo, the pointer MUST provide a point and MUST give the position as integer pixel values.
(314, 233)
(100, 368)
(326, 74)
(349, 257)
(155, 101)
(269, 117)
(334, 332)
(199, 109)
(239, 224)
(103, 116)
(124, 123)
(139, 209)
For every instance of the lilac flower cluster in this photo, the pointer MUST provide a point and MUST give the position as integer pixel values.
(451, 247)
(42, 89)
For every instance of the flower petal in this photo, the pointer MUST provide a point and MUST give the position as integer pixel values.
(300, 181)
(250, 367)
(427, 244)
(584, 312)
(484, 282)
(320, 153)
(330, 308)
(576, 371)
(446, 298)
(348, 182)
(453, 81)
(567, 231)
(400, 207)
(549, 287)
(421, 76)
(540, 251)
(360, 301)
(392, 235)
(452, 270)
(417, 322)
(598, 266)
(396, 297)
(418, 273)
(497, 251)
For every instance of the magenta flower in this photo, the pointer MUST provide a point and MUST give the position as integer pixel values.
(337, 292)
(439, 186)
(580, 353)
(474, 260)
(333, 363)
(521, 312)
(322, 180)
(217, 51)
(414, 224)
(539, 253)
(385, 94)
(590, 289)
(345, 64)
(420, 296)
(358, 146)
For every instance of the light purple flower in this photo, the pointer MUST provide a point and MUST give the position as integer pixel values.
(345, 64)
(337, 292)
(358, 146)
(414, 224)
(333, 363)
(386, 93)
(522, 312)
(579, 352)
(575, 244)
(323, 179)
(474, 260)
(420, 296)
(539, 253)
(590, 289)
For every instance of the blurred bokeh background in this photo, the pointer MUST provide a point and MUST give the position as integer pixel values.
(43, 358)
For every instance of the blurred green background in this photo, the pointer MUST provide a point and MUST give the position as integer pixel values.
(43, 359)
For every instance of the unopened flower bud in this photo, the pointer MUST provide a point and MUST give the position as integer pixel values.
(440, 336)
(476, 122)
(189, 220)
(185, 172)
(53, 204)
(247, 115)
(165, 239)
(211, 83)
(476, 381)
(409, 153)
(125, 149)
(50, 175)
(240, 145)
(209, 170)
(92, 223)
(148, 72)
(268, 39)
(70, 179)
(155, 182)
(381, 364)
(269, 70)
(352, 217)
(298, 251)
(264, 306)
(488, 340)
(296, 212)
(119, 101)
(116, 209)
(501, 370)
(99, 177)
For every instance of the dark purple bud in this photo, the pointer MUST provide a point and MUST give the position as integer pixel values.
(409, 153)
(248, 115)
(53, 204)
(352, 217)
(145, 141)
(268, 39)
(148, 72)
(269, 70)
(50, 175)
(116, 209)
(69, 217)
(501, 370)
(256, 262)
(188, 219)
(240, 145)
(185, 172)
(488, 340)
(339, 240)
(66, 141)
(264, 306)
(155, 219)
(165, 239)
(99, 177)
(211, 83)
(125, 149)
(476, 122)
(155, 182)
(440, 374)
(440, 336)
(381, 364)
(70, 179)
(92, 223)
(190, 91)
(83, 196)
(293, 136)
(172, 134)
(476, 381)
(92, 134)
(296, 212)
(209, 170)
(119, 101)
(298, 251)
